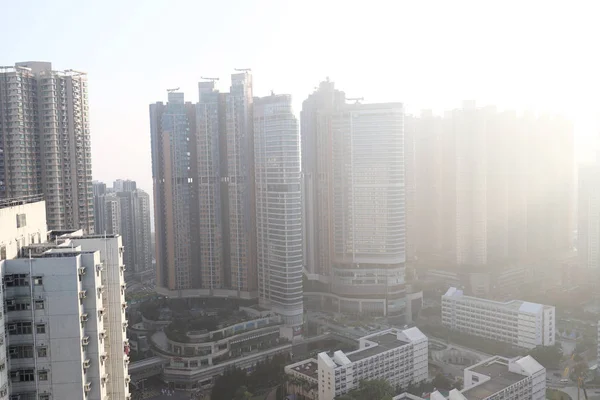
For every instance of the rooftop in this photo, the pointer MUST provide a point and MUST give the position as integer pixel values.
(517, 305)
(310, 368)
(500, 378)
(385, 342)
(19, 201)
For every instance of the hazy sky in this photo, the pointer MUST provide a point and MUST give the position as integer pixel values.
(427, 54)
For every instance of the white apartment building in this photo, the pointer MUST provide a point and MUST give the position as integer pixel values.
(65, 333)
(398, 356)
(116, 345)
(498, 378)
(22, 222)
(516, 322)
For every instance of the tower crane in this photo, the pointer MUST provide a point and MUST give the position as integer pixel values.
(172, 90)
(242, 69)
(209, 79)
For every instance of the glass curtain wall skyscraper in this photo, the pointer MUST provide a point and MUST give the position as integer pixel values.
(278, 207)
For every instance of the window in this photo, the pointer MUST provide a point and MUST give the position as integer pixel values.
(43, 375)
(39, 304)
(16, 280)
(20, 351)
(44, 396)
(22, 375)
(20, 328)
(18, 304)
(21, 220)
(37, 280)
(42, 351)
(2, 252)
(40, 328)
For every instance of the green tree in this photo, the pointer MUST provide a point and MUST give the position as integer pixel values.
(242, 393)
(548, 356)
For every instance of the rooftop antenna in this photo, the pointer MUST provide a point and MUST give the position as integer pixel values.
(272, 92)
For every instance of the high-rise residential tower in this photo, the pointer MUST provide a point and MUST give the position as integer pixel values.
(135, 228)
(317, 168)
(217, 216)
(63, 302)
(278, 207)
(369, 226)
(354, 209)
(240, 184)
(492, 187)
(211, 165)
(45, 141)
(172, 147)
(588, 212)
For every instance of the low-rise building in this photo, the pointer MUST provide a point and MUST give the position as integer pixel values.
(519, 323)
(498, 378)
(398, 356)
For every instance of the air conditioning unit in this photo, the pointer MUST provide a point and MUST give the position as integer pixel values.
(105, 379)
(103, 357)
(84, 317)
(102, 335)
(85, 341)
(100, 313)
(87, 387)
(99, 267)
(81, 270)
(86, 363)
(82, 294)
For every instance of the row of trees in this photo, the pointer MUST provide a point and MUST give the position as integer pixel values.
(237, 384)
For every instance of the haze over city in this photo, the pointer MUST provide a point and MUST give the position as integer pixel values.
(299, 200)
(427, 54)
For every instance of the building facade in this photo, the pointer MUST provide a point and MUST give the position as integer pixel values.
(278, 207)
(134, 225)
(240, 184)
(217, 215)
(369, 215)
(45, 141)
(317, 170)
(174, 198)
(519, 323)
(490, 186)
(64, 336)
(107, 214)
(588, 213)
(397, 356)
(212, 192)
(354, 202)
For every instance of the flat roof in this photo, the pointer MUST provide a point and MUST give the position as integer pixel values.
(385, 342)
(517, 305)
(501, 378)
(309, 368)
